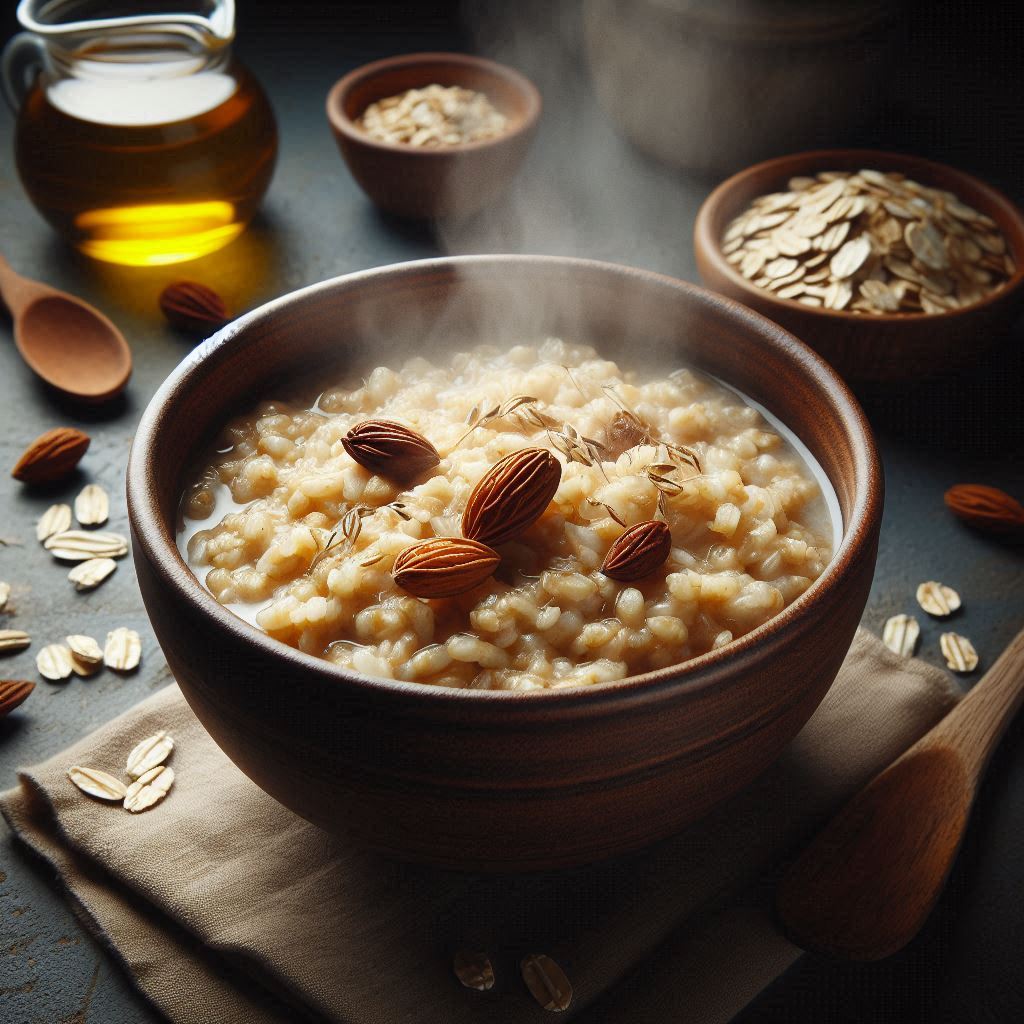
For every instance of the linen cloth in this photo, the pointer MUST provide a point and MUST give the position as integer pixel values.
(225, 907)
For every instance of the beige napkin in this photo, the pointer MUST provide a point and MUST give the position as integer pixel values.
(225, 907)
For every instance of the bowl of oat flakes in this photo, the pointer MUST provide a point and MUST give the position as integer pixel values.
(890, 266)
(429, 135)
(503, 561)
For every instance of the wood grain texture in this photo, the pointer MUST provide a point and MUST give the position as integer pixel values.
(866, 885)
(492, 779)
(885, 348)
(448, 180)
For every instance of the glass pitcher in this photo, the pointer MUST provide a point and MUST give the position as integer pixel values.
(138, 136)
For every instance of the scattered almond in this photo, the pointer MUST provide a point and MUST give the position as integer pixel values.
(12, 693)
(900, 634)
(92, 506)
(91, 573)
(12, 640)
(51, 456)
(390, 449)
(81, 545)
(123, 650)
(937, 599)
(474, 970)
(97, 783)
(149, 753)
(511, 496)
(547, 982)
(959, 652)
(56, 519)
(54, 662)
(638, 552)
(986, 508)
(444, 566)
(191, 306)
(149, 789)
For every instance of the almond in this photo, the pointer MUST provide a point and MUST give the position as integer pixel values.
(987, 508)
(511, 496)
(444, 567)
(51, 456)
(390, 449)
(638, 552)
(12, 693)
(191, 306)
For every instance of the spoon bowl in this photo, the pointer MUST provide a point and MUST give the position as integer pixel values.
(65, 341)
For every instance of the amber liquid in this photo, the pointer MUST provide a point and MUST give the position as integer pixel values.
(148, 172)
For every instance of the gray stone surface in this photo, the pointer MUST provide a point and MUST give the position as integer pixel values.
(316, 224)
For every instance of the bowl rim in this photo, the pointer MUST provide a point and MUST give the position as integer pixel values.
(343, 124)
(708, 245)
(157, 539)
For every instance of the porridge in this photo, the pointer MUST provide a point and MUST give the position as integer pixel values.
(528, 518)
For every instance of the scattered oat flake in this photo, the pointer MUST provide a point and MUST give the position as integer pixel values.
(959, 652)
(5, 594)
(91, 573)
(123, 650)
(85, 648)
(84, 669)
(97, 783)
(12, 640)
(54, 662)
(149, 789)
(149, 754)
(937, 599)
(81, 545)
(900, 634)
(92, 506)
(474, 970)
(56, 519)
(546, 981)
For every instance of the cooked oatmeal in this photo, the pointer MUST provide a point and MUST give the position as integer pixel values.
(750, 528)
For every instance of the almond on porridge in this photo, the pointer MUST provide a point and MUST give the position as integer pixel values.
(747, 528)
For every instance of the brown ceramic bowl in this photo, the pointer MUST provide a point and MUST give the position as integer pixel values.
(888, 348)
(492, 779)
(447, 181)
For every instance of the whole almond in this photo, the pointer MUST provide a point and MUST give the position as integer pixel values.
(444, 567)
(191, 306)
(511, 496)
(390, 449)
(638, 551)
(51, 456)
(987, 508)
(12, 693)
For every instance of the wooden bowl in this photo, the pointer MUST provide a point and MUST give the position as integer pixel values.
(864, 348)
(449, 180)
(491, 779)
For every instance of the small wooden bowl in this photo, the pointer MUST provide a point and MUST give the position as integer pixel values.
(488, 778)
(445, 181)
(868, 348)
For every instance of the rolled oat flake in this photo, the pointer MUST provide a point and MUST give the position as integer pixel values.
(149, 789)
(92, 506)
(97, 783)
(91, 573)
(473, 969)
(546, 981)
(12, 640)
(56, 519)
(123, 650)
(149, 753)
(54, 662)
(900, 634)
(959, 652)
(937, 599)
(84, 648)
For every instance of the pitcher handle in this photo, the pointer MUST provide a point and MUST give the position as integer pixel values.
(22, 62)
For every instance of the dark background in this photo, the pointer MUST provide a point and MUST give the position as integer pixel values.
(953, 92)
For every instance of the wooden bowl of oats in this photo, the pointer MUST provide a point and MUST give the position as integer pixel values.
(504, 562)
(429, 135)
(890, 266)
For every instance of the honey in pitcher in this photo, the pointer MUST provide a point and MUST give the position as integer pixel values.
(137, 167)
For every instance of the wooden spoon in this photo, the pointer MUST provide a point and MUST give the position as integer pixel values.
(865, 886)
(67, 342)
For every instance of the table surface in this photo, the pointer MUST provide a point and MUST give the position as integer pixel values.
(613, 205)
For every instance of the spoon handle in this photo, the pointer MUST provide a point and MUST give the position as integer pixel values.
(977, 723)
(15, 290)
